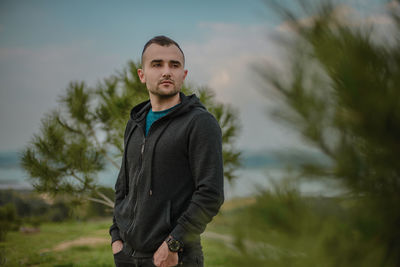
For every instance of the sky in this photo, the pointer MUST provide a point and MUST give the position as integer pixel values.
(45, 44)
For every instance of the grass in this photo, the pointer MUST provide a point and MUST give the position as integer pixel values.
(281, 228)
(37, 249)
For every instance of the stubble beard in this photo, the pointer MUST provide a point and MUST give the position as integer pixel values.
(159, 92)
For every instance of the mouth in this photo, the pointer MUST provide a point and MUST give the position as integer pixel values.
(166, 82)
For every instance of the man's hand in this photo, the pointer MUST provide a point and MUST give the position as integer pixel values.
(164, 257)
(117, 246)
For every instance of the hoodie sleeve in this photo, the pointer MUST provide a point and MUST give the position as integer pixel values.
(119, 191)
(206, 163)
(119, 196)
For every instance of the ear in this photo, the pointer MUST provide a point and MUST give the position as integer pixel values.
(185, 74)
(140, 73)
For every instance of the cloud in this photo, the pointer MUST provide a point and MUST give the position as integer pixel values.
(381, 19)
(346, 15)
(31, 79)
(341, 12)
(225, 61)
(379, 24)
(392, 5)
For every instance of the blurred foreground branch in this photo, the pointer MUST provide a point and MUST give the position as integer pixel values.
(341, 92)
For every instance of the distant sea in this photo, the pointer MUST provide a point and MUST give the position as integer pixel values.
(259, 171)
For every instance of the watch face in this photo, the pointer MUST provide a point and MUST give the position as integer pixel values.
(174, 245)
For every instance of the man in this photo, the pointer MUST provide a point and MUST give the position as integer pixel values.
(171, 180)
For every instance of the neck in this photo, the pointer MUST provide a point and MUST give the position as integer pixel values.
(162, 103)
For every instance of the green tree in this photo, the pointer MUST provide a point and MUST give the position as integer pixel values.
(85, 135)
(9, 220)
(341, 92)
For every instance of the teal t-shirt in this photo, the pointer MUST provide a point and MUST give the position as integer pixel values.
(152, 116)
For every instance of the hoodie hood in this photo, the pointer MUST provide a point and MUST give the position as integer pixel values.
(139, 112)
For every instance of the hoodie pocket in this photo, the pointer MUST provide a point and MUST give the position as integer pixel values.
(152, 225)
(123, 215)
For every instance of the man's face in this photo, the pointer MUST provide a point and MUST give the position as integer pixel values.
(162, 71)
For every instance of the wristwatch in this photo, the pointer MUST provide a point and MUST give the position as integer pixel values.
(173, 244)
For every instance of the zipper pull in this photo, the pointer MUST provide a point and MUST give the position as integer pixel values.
(151, 192)
(142, 150)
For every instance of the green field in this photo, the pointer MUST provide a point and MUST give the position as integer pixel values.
(86, 244)
(270, 230)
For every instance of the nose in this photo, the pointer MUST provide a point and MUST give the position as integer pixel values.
(166, 72)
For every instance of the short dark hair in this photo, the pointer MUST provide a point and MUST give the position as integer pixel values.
(163, 41)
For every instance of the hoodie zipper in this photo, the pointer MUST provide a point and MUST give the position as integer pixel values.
(132, 225)
(136, 192)
(135, 188)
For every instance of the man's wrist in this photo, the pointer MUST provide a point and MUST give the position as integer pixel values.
(114, 235)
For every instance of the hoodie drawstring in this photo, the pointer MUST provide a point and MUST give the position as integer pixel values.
(152, 155)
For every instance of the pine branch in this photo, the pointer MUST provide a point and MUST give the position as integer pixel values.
(105, 197)
(66, 126)
(92, 133)
(101, 202)
(106, 201)
(78, 178)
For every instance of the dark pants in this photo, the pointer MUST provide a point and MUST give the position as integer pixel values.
(193, 258)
